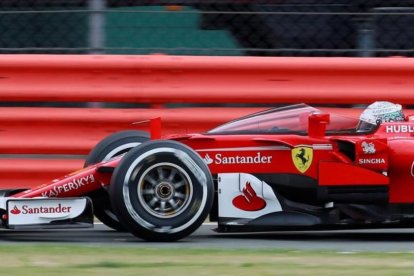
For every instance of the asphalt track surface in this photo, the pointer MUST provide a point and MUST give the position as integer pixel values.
(395, 240)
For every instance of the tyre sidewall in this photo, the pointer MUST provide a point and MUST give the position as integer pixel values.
(124, 193)
(115, 144)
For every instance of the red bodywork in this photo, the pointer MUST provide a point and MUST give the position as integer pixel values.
(390, 164)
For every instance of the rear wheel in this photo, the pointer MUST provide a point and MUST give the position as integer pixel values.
(113, 145)
(162, 191)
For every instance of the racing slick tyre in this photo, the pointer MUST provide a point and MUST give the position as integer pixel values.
(162, 191)
(113, 145)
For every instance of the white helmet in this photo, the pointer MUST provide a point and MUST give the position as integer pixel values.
(378, 113)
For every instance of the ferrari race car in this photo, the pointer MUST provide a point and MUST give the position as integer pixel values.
(289, 168)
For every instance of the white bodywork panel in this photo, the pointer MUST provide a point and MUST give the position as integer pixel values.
(31, 211)
(232, 185)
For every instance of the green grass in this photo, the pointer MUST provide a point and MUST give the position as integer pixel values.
(106, 260)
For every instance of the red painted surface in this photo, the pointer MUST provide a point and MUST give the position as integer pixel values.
(156, 80)
(382, 158)
(339, 174)
(401, 171)
(77, 183)
(196, 79)
(76, 131)
(18, 173)
(245, 153)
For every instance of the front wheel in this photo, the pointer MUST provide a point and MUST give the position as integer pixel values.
(162, 191)
(113, 145)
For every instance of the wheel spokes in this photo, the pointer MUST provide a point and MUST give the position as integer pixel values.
(179, 195)
(173, 204)
(172, 175)
(153, 201)
(162, 206)
(151, 180)
(148, 192)
(165, 190)
(160, 173)
(179, 184)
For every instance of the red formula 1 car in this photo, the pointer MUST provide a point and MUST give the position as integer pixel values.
(286, 168)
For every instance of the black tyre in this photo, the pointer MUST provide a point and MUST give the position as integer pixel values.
(162, 191)
(113, 145)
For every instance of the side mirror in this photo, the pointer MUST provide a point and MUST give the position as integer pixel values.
(317, 124)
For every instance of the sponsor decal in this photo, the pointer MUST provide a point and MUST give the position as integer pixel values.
(220, 159)
(208, 159)
(26, 209)
(371, 161)
(248, 200)
(400, 129)
(368, 148)
(67, 187)
(15, 210)
(302, 158)
(32, 211)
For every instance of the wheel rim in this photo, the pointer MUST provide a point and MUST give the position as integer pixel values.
(165, 190)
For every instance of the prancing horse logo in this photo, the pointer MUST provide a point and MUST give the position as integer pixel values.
(302, 158)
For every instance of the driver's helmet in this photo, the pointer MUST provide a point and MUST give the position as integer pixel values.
(378, 113)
